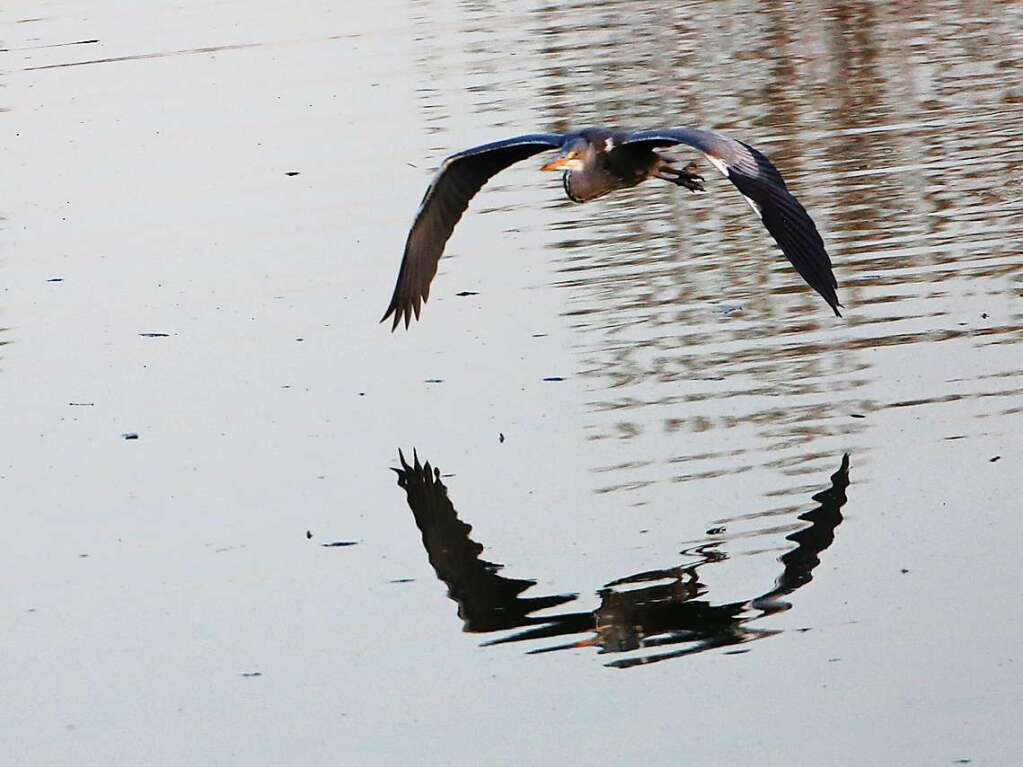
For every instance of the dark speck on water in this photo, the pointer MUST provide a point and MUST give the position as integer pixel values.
(251, 674)
(291, 173)
(857, 415)
(154, 335)
(434, 380)
(467, 293)
(500, 436)
(338, 544)
(55, 279)
(402, 580)
(554, 378)
(995, 458)
(82, 404)
(308, 534)
(130, 435)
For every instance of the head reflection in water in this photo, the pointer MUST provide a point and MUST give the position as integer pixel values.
(668, 617)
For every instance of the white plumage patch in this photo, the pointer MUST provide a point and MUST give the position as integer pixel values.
(756, 208)
(719, 164)
(609, 144)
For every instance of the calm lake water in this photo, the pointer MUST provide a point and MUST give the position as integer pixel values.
(654, 503)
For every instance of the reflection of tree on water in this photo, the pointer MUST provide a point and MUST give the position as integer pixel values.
(655, 609)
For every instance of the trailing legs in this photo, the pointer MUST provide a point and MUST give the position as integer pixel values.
(667, 170)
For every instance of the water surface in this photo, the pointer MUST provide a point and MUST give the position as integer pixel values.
(683, 513)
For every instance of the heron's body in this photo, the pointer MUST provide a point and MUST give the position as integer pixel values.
(597, 162)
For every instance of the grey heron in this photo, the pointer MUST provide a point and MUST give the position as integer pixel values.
(597, 162)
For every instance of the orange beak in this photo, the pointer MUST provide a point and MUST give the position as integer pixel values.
(558, 163)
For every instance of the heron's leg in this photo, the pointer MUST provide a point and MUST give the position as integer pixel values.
(687, 176)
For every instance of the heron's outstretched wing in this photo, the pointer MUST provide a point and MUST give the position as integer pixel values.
(459, 178)
(765, 191)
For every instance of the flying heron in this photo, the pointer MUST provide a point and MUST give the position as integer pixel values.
(597, 162)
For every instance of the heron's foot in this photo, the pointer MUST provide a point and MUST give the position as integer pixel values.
(691, 181)
(687, 176)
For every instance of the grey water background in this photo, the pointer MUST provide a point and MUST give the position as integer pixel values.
(675, 405)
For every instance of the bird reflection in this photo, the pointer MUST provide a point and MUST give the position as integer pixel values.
(664, 612)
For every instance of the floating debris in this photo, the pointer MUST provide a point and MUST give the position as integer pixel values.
(130, 435)
(500, 437)
(82, 404)
(55, 279)
(402, 580)
(857, 415)
(251, 674)
(434, 380)
(308, 534)
(291, 173)
(338, 544)
(155, 335)
(995, 458)
(554, 378)
(465, 293)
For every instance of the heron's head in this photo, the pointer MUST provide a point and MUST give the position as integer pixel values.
(572, 156)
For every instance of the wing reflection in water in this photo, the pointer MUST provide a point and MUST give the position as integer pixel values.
(650, 611)
(486, 601)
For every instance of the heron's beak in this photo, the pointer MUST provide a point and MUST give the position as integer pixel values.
(558, 163)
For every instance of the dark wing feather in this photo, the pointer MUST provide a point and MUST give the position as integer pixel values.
(764, 188)
(460, 177)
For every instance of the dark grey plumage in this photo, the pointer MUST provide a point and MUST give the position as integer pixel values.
(597, 162)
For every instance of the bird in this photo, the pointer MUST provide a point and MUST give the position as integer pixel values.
(596, 162)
